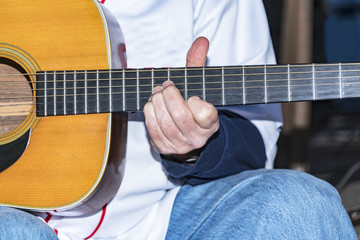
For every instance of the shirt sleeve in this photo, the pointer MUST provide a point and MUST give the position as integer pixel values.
(239, 35)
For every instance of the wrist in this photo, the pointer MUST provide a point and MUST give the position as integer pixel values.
(188, 158)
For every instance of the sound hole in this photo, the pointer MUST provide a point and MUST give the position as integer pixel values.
(15, 96)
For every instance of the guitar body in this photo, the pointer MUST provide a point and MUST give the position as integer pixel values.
(71, 164)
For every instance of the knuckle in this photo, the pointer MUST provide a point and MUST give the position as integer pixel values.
(181, 115)
(209, 112)
(166, 123)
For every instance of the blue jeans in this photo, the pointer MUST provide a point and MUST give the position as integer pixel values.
(19, 225)
(259, 204)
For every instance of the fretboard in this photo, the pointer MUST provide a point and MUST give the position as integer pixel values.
(104, 91)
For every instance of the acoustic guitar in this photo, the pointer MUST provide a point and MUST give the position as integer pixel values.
(71, 164)
(65, 92)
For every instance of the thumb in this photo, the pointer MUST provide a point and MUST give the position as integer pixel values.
(196, 56)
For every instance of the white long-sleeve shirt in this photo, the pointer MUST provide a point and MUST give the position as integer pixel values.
(158, 33)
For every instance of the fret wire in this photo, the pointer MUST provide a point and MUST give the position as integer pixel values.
(75, 93)
(243, 84)
(186, 84)
(223, 86)
(137, 90)
(340, 81)
(123, 84)
(265, 85)
(64, 76)
(289, 89)
(313, 81)
(110, 91)
(203, 83)
(55, 93)
(97, 92)
(45, 94)
(86, 92)
(152, 80)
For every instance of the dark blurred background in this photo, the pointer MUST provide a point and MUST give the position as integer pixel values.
(321, 138)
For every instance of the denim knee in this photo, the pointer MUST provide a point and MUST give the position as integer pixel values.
(293, 189)
(16, 224)
(289, 184)
(294, 200)
(260, 204)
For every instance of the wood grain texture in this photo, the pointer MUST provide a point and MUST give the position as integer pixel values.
(58, 35)
(15, 98)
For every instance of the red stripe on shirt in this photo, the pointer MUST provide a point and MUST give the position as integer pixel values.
(100, 222)
(48, 217)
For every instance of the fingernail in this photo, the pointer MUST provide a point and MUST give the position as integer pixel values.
(157, 89)
(167, 83)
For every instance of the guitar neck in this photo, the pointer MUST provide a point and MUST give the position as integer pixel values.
(104, 91)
